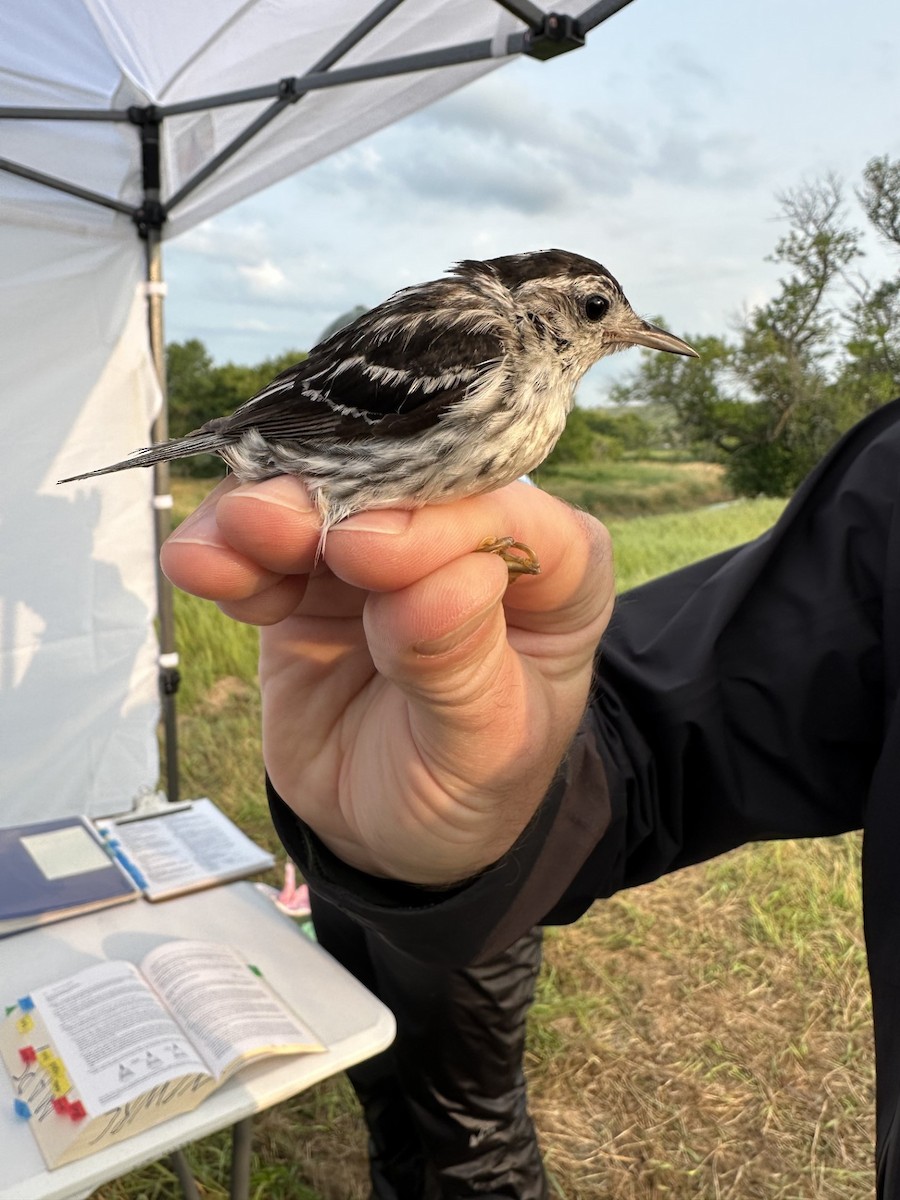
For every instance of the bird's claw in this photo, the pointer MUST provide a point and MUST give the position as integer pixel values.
(523, 563)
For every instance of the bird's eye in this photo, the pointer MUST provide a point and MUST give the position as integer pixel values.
(596, 308)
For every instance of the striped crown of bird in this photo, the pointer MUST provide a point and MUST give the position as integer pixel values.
(446, 389)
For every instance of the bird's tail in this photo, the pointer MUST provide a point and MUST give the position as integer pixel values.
(193, 443)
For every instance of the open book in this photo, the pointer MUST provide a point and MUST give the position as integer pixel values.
(50, 870)
(115, 1049)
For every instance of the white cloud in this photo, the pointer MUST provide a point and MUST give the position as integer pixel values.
(265, 279)
(255, 325)
(241, 238)
(659, 149)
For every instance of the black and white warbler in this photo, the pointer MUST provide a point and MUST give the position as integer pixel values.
(445, 390)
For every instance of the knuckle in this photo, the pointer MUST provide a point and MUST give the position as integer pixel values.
(596, 538)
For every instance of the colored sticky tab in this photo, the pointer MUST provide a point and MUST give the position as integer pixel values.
(77, 1111)
(27, 1054)
(60, 1083)
(255, 970)
(61, 1105)
(9, 1008)
(25, 1023)
(129, 867)
(21, 1109)
(26, 1003)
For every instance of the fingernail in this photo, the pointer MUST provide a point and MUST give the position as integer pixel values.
(199, 527)
(284, 490)
(386, 520)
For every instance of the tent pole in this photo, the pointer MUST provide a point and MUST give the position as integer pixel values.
(599, 12)
(149, 220)
(162, 519)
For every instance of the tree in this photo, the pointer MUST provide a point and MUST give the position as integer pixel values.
(785, 345)
(190, 384)
(771, 402)
(871, 373)
(880, 197)
(199, 390)
(706, 419)
(576, 443)
(358, 310)
(625, 432)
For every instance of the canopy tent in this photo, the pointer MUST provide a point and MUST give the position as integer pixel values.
(116, 134)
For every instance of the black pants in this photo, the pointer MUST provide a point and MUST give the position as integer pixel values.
(445, 1105)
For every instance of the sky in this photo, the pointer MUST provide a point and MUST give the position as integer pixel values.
(660, 149)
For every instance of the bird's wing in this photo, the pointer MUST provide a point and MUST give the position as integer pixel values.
(394, 370)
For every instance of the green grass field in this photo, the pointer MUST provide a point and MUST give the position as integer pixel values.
(628, 488)
(707, 1036)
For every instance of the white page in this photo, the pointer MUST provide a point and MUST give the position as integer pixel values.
(185, 848)
(113, 1035)
(64, 852)
(224, 1007)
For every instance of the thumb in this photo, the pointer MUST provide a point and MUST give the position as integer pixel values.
(443, 642)
(441, 626)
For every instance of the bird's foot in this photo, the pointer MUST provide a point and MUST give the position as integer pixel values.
(523, 563)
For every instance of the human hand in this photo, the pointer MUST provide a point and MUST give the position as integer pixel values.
(415, 707)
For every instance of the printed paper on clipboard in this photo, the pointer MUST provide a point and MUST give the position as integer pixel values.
(184, 849)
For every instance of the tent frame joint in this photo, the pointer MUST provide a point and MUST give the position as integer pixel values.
(289, 89)
(169, 681)
(151, 215)
(143, 115)
(558, 34)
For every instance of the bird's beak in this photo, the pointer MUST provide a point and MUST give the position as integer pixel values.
(654, 338)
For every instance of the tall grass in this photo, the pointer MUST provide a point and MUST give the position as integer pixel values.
(646, 547)
(212, 648)
(629, 488)
(706, 1036)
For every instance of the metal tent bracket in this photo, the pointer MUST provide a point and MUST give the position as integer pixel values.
(557, 35)
(151, 213)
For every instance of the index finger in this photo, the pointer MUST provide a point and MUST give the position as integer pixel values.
(386, 551)
(202, 556)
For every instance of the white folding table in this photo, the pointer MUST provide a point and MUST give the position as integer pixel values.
(347, 1019)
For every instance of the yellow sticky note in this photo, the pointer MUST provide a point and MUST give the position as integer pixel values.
(25, 1023)
(60, 1083)
(46, 1056)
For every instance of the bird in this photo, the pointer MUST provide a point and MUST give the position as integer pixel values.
(447, 389)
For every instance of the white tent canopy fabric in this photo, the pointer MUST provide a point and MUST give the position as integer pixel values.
(88, 90)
